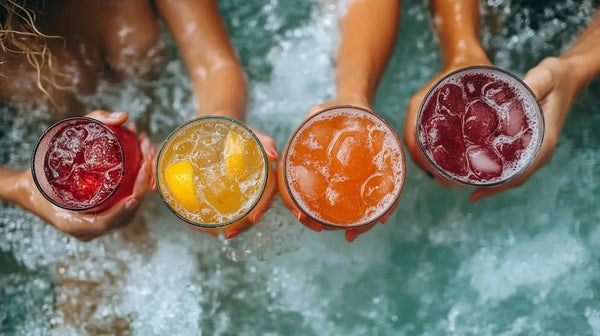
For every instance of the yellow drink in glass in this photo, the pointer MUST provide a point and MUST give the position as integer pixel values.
(211, 172)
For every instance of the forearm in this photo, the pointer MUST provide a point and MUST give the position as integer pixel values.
(456, 23)
(368, 33)
(17, 187)
(584, 54)
(11, 185)
(217, 77)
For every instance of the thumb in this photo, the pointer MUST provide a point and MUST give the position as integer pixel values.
(540, 80)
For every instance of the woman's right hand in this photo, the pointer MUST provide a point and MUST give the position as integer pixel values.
(82, 226)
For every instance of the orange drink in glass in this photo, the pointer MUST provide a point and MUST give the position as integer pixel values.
(343, 168)
(211, 172)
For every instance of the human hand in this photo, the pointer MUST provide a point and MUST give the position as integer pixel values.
(85, 226)
(412, 113)
(555, 84)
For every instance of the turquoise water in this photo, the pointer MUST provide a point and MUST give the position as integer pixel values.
(522, 263)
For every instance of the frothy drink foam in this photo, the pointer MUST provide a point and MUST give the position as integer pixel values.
(480, 126)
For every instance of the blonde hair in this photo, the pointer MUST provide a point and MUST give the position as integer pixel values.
(19, 35)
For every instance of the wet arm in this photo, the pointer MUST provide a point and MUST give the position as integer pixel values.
(217, 77)
(17, 187)
(368, 33)
(584, 54)
(456, 23)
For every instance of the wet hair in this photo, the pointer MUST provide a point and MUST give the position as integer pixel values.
(20, 35)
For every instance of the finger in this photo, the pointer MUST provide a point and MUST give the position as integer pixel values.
(387, 215)
(153, 172)
(266, 199)
(269, 145)
(122, 212)
(146, 147)
(109, 118)
(313, 110)
(88, 237)
(540, 80)
(131, 126)
(482, 193)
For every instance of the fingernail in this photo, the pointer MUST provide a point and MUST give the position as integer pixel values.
(147, 146)
(273, 154)
(116, 115)
(231, 234)
(131, 204)
(431, 176)
(351, 235)
(256, 217)
(298, 215)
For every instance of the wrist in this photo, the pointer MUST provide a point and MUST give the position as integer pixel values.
(462, 53)
(12, 185)
(351, 97)
(581, 68)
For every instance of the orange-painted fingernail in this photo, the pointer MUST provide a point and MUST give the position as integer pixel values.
(298, 215)
(273, 154)
(131, 204)
(231, 234)
(351, 235)
(116, 115)
(313, 226)
(256, 217)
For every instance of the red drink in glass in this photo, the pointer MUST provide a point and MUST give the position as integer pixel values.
(81, 164)
(480, 126)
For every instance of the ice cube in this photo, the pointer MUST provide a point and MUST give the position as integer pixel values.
(451, 159)
(473, 85)
(113, 176)
(71, 139)
(429, 109)
(102, 153)
(484, 162)
(84, 184)
(479, 122)
(205, 155)
(376, 187)
(60, 162)
(349, 154)
(444, 130)
(450, 99)
(498, 92)
(312, 184)
(345, 204)
(513, 120)
(511, 150)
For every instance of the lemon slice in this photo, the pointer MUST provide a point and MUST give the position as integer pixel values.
(235, 146)
(180, 178)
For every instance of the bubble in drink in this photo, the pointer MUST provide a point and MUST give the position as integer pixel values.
(488, 129)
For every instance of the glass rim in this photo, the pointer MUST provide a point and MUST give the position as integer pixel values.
(321, 221)
(539, 113)
(265, 179)
(37, 145)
